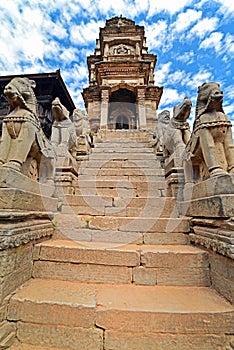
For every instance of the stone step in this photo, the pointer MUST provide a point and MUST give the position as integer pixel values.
(157, 207)
(121, 172)
(116, 177)
(121, 143)
(121, 156)
(72, 315)
(116, 164)
(119, 150)
(114, 263)
(120, 188)
(21, 346)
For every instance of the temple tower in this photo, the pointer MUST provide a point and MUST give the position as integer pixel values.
(121, 92)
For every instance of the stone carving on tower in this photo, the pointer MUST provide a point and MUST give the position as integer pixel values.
(121, 92)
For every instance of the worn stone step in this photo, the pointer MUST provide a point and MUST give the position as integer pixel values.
(139, 264)
(136, 224)
(123, 156)
(52, 313)
(68, 227)
(115, 206)
(120, 188)
(116, 164)
(116, 177)
(121, 172)
(21, 346)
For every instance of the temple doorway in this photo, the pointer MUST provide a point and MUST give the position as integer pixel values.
(122, 110)
(122, 122)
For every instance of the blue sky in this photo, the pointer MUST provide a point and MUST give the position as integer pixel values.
(193, 39)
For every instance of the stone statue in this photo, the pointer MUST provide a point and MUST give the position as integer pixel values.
(83, 131)
(210, 150)
(63, 136)
(173, 134)
(158, 136)
(24, 147)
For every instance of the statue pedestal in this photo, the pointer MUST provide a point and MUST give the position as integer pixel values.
(174, 175)
(210, 203)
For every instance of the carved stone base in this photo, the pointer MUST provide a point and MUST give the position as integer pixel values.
(66, 179)
(19, 231)
(217, 235)
(175, 179)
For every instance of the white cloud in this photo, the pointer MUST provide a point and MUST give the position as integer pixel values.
(213, 41)
(162, 73)
(185, 19)
(167, 5)
(198, 79)
(169, 97)
(186, 57)
(206, 25)
(177, 77)
(85, 32)
(229, 44)
(156, 34)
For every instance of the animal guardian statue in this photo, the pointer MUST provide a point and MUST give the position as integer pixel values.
(174, 133)
(210, 150)
(23, 142)
(63, 136)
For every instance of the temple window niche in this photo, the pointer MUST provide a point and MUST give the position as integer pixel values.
(121, 92)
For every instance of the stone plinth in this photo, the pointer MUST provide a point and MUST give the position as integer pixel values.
(19, 231)
(174, 175)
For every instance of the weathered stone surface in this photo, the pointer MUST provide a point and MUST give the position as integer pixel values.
(82, 272)
(167, 256)
(69, 251)
(20, 346)
(7, 334)
(140, 224)
(223, 184)
(49, 302)
(9, 283)
(59, 337)
(16, 199)
(10, 178)
(144, 276)
(215, 206)
(165, 238)
(190, 310)
(132, 341)
(222, 275)
(183, 276)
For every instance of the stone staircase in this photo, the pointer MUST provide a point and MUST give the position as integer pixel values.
(120, 274)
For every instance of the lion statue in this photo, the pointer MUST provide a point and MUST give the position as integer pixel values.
(24, 147)
(210, 150)
(63, 136)
(172, 134)
(83, 131)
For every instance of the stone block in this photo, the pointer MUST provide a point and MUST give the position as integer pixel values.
(214, 206)
(218, 185)
(60, 337)
(151, 341)
(69, 251)
(9, 283)
(54, 302)
(163, 309)
(7, 334)
(183, 276)
(144, 276)
(166, 238)
(82, 272)
(174, 257)
(16, 199)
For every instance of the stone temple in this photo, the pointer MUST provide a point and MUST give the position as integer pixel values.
(116, 223)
